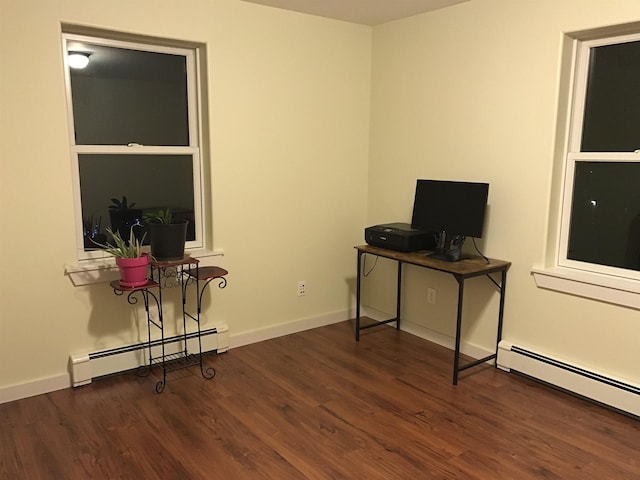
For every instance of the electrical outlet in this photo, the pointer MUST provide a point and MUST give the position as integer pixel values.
(431, 296)
(301, 288)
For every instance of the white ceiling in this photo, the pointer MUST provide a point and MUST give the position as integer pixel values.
(366, 12)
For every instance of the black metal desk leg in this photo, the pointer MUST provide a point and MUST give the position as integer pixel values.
(358, 296)
(398, 295)
(456, 358)
(503, 286)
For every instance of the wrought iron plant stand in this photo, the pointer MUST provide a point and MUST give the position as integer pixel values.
(184, 272)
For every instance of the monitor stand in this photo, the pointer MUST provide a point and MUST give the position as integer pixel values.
(449, 248)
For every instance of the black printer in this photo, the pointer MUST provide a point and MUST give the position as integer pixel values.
(400, 237)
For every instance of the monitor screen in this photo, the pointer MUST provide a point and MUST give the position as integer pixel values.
(457, 208)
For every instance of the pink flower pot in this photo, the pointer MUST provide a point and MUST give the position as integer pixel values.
(133, 271)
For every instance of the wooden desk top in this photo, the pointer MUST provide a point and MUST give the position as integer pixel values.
(468, 267)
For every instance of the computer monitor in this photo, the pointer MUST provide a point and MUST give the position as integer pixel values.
(452, 210)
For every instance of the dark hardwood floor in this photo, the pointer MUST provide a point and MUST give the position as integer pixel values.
(318, 405)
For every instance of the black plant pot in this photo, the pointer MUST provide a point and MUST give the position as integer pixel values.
(167, 240)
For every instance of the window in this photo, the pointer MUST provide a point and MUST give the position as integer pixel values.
(600, 229)
(135, 136)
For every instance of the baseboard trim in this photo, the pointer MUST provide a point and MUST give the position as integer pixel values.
(87, 366)
(36, 387)
(287, 328)
(580, 381)
(84, 371)
(80, 364)
(84, 367)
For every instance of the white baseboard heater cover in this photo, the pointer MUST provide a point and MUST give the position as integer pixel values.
(592, 385)
(87, 366)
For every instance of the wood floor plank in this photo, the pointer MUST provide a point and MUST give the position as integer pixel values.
(318, 405)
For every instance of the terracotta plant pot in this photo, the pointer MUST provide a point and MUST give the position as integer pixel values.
(133, 271)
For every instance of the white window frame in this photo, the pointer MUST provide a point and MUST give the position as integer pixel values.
(614, 286)
(574, 155)
(193, 149)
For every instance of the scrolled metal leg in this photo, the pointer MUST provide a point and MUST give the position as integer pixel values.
(161, 384)
(209, 372)
(145, 370)
(221, 284)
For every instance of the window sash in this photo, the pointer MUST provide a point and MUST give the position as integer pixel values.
(563, 260)
(198, 213)
(192, 77)
(193, 149)
(581, 75)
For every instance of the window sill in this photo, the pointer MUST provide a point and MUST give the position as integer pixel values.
(104, 270)
(617, 291)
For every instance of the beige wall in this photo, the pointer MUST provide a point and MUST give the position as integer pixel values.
(471, 93)
(289, 110)
(468, 92)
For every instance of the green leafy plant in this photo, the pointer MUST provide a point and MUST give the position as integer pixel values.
(161, 216)
(120, 205)
(121, 248)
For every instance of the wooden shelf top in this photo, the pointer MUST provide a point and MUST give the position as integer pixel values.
(186, 260)
(206, 273)
(115, 284)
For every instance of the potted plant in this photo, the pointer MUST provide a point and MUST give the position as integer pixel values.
(132, 262)
(123, 216)
(166, 235)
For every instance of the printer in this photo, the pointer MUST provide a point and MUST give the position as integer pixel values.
(400, 237)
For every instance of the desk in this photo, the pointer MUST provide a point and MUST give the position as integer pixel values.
(461, 270)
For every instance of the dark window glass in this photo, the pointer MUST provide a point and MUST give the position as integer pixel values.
(149, 183)
(605, 215)
(130, 96)
(611, 120)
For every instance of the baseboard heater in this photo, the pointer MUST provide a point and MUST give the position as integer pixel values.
(580, 381)
(88, 366)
